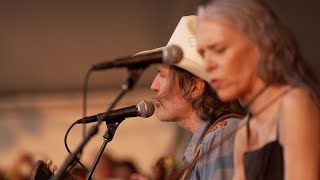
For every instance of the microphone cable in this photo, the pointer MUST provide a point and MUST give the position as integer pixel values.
(84, 99)
(67, 148)
(84, 113)
(69, 151)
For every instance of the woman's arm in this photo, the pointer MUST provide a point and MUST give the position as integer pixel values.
(299, 134)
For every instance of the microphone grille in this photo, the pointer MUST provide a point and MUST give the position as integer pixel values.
(145, 108)
(172, 54)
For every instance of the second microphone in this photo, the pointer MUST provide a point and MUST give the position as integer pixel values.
(144, 109)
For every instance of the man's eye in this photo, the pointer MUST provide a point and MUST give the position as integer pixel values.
(160, 74)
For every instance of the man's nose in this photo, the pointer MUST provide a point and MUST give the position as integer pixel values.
(155, 84)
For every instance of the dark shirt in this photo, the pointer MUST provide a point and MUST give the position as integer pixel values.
(264, 163)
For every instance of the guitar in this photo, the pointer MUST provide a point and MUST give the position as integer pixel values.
(43, 171)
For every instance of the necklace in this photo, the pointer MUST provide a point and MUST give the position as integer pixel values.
(255, 97)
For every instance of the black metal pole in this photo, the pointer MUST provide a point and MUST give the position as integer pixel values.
(108, 136)
(127, 85)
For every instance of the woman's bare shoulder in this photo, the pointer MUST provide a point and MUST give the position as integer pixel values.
(299, 112)
(298, 97)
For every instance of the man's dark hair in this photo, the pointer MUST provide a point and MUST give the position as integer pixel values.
(207, 106)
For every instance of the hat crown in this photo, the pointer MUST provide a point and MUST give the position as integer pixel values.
(184, 37)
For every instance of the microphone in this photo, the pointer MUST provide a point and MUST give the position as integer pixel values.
(144, 109)
(171, 55)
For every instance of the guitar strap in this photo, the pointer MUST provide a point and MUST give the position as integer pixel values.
(212, 127)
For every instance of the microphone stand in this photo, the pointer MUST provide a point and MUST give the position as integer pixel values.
(107, 137)
(127, 85)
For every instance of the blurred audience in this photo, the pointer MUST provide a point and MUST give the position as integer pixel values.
(124, 169)
(78, 173)
(21, 167)
(165, 168)
(2, 175)
(104, 167)
(108, 168)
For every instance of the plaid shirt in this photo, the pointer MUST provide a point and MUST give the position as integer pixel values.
(218, 164)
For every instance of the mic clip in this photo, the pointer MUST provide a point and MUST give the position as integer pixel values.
(108, 135)
(134, 75)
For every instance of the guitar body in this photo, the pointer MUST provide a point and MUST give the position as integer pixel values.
(40, 171)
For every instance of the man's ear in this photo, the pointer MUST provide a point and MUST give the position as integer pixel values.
(197, 87)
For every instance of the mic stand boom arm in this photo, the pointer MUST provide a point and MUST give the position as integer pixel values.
(127, 85)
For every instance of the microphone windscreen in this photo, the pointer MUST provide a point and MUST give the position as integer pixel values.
(172, 54)
(145, 108)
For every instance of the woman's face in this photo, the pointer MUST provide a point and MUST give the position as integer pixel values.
(230, 59)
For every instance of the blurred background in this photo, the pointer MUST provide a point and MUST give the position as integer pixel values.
(46, 48)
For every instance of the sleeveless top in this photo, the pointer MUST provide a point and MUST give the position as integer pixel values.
(264, 163)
